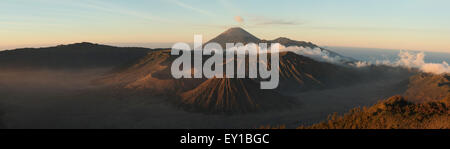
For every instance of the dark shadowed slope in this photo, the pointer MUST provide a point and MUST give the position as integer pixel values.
(150, 74)
(79, 55)
(2, 125)
(289, 42)
(300, 73)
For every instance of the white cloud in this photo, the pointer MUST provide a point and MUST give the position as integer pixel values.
(412, 60)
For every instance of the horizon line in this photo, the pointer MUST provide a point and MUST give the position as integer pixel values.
(161, 45)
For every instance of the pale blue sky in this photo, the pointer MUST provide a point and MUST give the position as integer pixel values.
(397, 24)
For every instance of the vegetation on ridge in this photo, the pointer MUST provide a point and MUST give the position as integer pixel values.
(393, 113)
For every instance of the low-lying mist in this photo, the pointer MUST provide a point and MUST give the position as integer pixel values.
(69, 99)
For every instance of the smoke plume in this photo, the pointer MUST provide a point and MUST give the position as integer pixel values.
(239, 19)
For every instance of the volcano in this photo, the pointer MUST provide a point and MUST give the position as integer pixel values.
(235, 35)
(239, 35)
(225, 95)
(298, 73)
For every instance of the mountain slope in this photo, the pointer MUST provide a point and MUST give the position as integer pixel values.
(224, 95)
(393, 113)
(428, 87)
(300, 73)
(234, 35)
(289, 42)
(79, 55)
(152, 74)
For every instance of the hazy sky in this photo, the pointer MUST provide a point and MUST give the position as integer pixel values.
(395, 24)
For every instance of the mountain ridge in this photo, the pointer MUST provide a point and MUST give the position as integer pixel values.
(76, 55)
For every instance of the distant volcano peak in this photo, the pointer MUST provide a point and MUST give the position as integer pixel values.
(237, 31)
(235, 35)
(239, 35)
